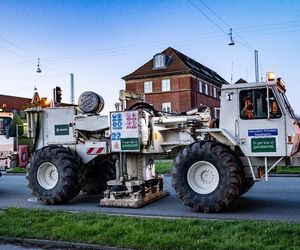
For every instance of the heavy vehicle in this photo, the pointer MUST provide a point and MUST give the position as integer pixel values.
(7, 141)
(77, 149)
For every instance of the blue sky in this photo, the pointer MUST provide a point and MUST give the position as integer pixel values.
(102, 41)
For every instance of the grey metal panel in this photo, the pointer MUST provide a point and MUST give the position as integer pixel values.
(56, 118)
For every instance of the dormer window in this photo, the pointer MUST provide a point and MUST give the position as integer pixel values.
(160, 61)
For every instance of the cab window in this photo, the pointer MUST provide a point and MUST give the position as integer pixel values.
(4, 124)
(254, 104)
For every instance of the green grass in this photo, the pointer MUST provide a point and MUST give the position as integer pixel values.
(148, 233)
(16, 170)
(288, 170)
(163, 166)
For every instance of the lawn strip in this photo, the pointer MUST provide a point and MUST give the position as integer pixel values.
(148, 233)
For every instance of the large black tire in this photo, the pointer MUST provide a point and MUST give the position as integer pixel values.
(68, 173)
(246, 185)
(220, 172)
(97, 173)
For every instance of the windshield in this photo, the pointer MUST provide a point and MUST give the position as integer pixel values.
(289, 107)
(4, 124)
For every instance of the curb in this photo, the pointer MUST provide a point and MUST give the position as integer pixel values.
(20, 174)
(52, 244)
(270, 175)
(284, 175)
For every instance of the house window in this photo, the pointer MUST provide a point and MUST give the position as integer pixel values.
(166, 107)
(200, 87)
(165, 85)
(148, 87)
(206, 89)
(159, 61)
(215, 92)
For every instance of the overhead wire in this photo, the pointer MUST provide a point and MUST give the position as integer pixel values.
(126, 51)
(203, 13)
(16, 54)
(246, 43)
(212, 11)
(26, 51)
(17, 46)
(255, 30)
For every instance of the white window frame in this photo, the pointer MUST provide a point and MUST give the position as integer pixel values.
(206, 88)
(200, 87)
(215, 92)
(166, 107)
(165, 85)
(148, 87)
(159, 61)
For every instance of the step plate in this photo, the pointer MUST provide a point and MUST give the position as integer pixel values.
(131, 202)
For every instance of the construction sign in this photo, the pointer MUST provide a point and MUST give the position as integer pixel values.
(125, 131)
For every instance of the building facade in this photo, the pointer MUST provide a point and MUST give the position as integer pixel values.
(173, 82)
(14, 103)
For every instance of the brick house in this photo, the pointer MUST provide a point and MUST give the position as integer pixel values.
(14, 103)
(173, 82)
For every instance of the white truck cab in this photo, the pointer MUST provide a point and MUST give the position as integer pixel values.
(260, 118)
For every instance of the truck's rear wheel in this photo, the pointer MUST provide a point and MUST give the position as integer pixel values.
(54, 174)
(98, 173)
(206, 176)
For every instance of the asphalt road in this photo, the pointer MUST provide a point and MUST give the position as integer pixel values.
(278, 199)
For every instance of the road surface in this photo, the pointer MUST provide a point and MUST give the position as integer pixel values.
(278, 199)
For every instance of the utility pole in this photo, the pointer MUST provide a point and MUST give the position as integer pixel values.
(256, 66)
(72, 88)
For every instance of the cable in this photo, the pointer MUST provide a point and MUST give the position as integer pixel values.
(197, 8)
(269, 24)
(222, 20)
(246, 44)
(26, 51)
(16, 54)
(17, 46)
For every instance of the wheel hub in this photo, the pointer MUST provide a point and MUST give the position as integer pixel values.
(47, 175)
(203, 177)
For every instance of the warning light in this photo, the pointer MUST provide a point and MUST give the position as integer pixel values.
(271, 76)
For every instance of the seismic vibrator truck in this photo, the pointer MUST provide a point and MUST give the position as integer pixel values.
(77, 149)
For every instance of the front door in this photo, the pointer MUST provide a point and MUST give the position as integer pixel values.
(261, 123)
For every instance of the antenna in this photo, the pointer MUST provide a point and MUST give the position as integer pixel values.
(38, 67)
(256, 65)
(72, 88)
(231, 42)
(261, 74)
(231, 79)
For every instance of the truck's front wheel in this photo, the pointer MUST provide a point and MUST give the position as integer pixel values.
(206, 176)
(54, 174)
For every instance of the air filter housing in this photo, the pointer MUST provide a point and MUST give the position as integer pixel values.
(90, 102)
